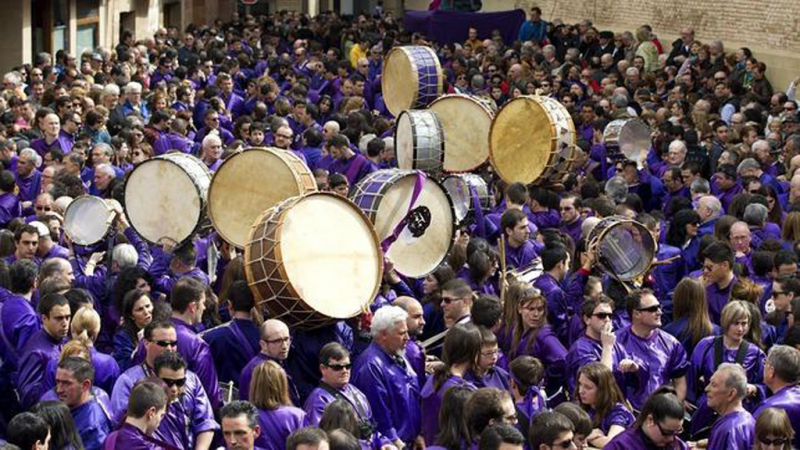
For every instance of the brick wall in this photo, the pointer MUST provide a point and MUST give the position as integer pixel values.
(770, 29)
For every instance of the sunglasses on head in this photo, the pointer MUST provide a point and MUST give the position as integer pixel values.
(339, 367)
(176, 382)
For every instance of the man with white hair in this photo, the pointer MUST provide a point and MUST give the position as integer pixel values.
(749, 167)
(676, 155)
(29, 178)
(52, 138)
(755, 215)
(47, 248)
(709, 209)
(741, 238)
(133, 105)
(725, 392)
(104, 174)
(211, 151)
(383, 373)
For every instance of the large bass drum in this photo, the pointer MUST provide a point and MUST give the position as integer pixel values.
(462, 188)
(532, 139)
(411, 79)
(419, 142)
(88, 219)
(625, 248)
(312, 260)
(627, 139)
(165, 197)
(418, 245)
(249, 182)
(466, 121)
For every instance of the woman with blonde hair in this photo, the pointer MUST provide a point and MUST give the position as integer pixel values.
(690, 319)
(646, 49)
(269, 392)
(791, 227)
(76, 349)
(529, 333)
(774, 430)
(85, 327)
(599, 394)
(730, 347)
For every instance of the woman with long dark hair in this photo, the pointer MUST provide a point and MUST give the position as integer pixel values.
(462, 349)
(599, 394)
(682, 233)
(690, 319)
(63, 433)
(453, 430)
(137, 313)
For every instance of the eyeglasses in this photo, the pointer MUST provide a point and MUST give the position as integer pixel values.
(774, 292)
(448, 300)
(285, 340)
(565, 444)
(778, 442)
(284, 136)
(668, 433)
(166, 343)
(174, 382)
(490, 354)
(43, 208)
(650, 309)
(603, 316)
(339, 367)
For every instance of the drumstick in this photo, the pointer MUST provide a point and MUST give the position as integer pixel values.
(666, 261)
(502, 251)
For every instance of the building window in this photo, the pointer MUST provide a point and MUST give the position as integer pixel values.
(88, 21)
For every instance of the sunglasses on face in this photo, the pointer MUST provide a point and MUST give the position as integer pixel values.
(448, 300)
(166, 343)
(603, 316)
(339, 367)
(174, 382)
(650, 309)
(778, 442)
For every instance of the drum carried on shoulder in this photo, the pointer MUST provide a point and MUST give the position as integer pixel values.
(412, 78)
(532, 140)
(625, 248)
(88, 220)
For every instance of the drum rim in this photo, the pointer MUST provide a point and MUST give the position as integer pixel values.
(203, 206)
(281, 269)
(82, 198)
(598, 236)
(440, 131)
(210, 209)
(396, 174)
(464, 176)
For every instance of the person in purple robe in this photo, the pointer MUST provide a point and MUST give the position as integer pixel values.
(709, 209)
(598, 344)
(599, 394)
(211, 151)
(52, 139)
(741, 239)
(10, 206)
(726, 185)
(159, 337)
(42, 347)
(782, 377)
(188, 303)
(189, 422)
(29, 179)
(240, 427)
(274, 344)
(660, 358)
(235, 343)
(730, 347)
(719, 277)
(520, 252)
(690, 319)
(19, 319)
(542, 208)
(74, 388)
(415, 354)
(143, 415)
(657, 427)
(486, 372)
(735, 427)
(462, 348)
(672, 179)
(561, 304)
(303, 360)
(385, 376)
(571, 220)
(347, 162)
(551, 429)
(526, 376)
(137, 313)
(269, 392)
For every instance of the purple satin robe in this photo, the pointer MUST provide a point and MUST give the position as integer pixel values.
(277, 425)
(550, 351)
(787, 399)
(10, 208)
(188, 416)
(39, 350)
(247, 375)
(634, 439)
(717, 299)
(232, 345)
(199, 360)
(93, 421)
(736, 430)
(573, 229)
(131, 438)
(587, 350)
(106, 371)
(415, 355)
(660, 357)
(618, 415)
(432, 403)
(522, 256)
(320, 398)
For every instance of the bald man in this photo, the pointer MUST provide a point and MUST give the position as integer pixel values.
(416, 322)
(275, 343)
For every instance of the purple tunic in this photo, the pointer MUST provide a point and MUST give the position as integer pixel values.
(131, 438)
(415, 355)
(122, 389)
(188, 416)
(34, 357)
(355, 168)
(634, 439)
(106, 371)
(522, 256)
(717, 299)
(198, 359)
(618, 415)
(61, 143)
(787, 399)
(549, 350)
(703, 366)
(232, 345)
(561, 305)
(660, 357)
(432, 402)
(320, 398)
(277, 425)
(10, 208)
(573, 229)
(734, 430)
(29, 187)
(496, 377)
(93, 421)
(20, 323)
(586, 350)
(391, 385)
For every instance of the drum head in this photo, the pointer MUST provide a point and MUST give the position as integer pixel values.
(163, 201)
(404, 142)
(520, 141)
(459, 192)
(87, 220)
(416, 256)
(419, 142)
(634, 140)
(239, 194)
(466, 123)
(399, 82)
(331, 255)
(625, 247)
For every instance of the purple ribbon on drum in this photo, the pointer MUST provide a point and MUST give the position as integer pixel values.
(410, 213)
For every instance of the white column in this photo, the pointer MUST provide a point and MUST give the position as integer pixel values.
(313, 7)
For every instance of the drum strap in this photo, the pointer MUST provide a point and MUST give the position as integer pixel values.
(478, 211)
(386, 243)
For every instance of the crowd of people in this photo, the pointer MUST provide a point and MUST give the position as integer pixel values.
(145, 346)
